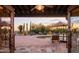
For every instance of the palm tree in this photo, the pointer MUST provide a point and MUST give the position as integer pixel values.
(20, 27)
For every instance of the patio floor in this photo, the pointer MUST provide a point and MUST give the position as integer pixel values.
(32, 44)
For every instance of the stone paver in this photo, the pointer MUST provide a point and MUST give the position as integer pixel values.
(32, 44)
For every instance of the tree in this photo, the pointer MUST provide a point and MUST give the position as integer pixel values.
(39, 29)
(1, 39)
(5, 31)
(20, 27)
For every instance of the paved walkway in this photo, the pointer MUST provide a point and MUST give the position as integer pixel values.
(32, 44)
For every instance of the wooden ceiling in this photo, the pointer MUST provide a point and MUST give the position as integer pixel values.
(49, 10)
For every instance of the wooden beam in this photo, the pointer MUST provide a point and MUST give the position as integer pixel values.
(54, 9)
(16, 9)
(76, 9)
(57, 8)
(24, 11)
(42, 15)
(10, 8)
(75, 12)
(70, 8)
(64, 9)
(21, 9)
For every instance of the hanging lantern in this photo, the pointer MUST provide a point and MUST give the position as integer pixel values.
(40, 7)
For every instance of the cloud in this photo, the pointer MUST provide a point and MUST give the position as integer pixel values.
(75, 19)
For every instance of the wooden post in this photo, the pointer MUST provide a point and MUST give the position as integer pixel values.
(12, 41)
(69, 41)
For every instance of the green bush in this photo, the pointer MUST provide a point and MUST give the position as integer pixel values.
(41, 29)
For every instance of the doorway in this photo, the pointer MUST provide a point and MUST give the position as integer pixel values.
(34, 34)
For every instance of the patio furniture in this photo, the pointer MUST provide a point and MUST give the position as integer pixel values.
(55, 38)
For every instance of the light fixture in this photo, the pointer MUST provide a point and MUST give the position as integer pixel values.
(39, 7)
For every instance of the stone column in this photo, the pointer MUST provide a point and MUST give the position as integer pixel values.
(30, 27)
(69, 40)
(0, 22)
(26, 28)
(0, 34)
(12, 41)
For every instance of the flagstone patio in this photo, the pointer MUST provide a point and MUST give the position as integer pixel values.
(32, 44)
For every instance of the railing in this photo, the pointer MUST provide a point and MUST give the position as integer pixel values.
(63, 37)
